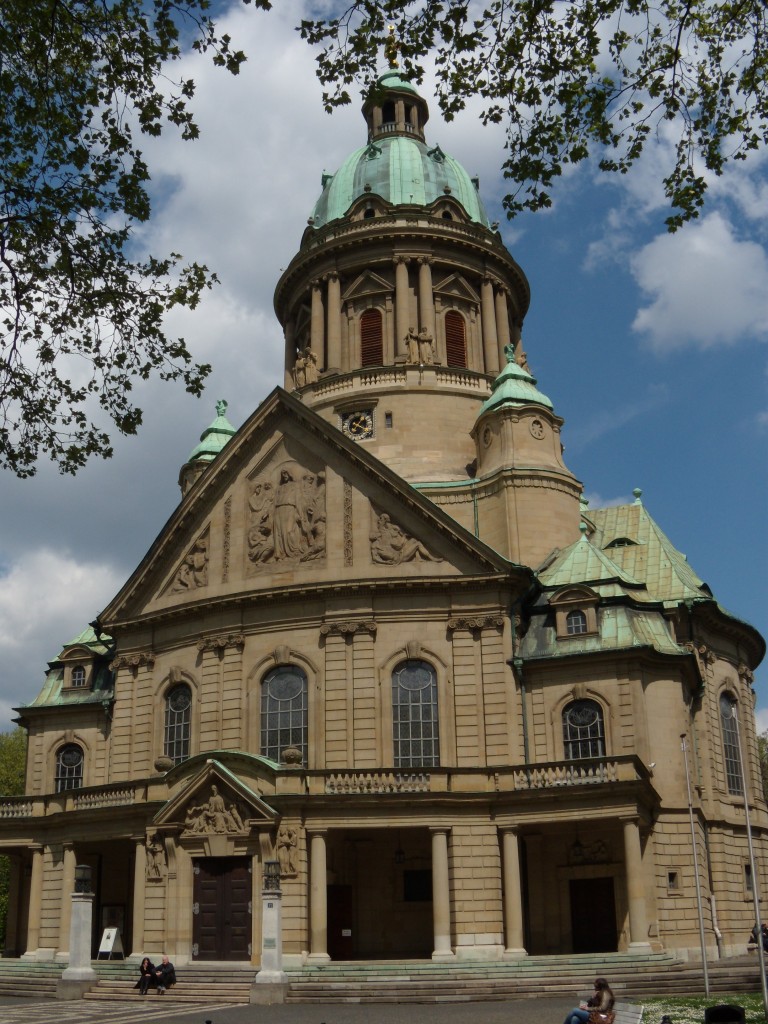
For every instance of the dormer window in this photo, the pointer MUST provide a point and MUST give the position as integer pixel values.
(575, 610)
(621, 542)
(78, 676)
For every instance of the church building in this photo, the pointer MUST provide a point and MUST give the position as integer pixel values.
(383, 642)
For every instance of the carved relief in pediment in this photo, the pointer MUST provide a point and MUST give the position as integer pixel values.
(192, 574)
(391, 545)
(286, 517)
(215, 816)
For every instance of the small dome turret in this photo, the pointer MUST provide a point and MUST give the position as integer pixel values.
(212, 440)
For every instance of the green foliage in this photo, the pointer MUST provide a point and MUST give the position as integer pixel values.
(13, 753)
(80, 315)
(690, 1009)
(577, 79)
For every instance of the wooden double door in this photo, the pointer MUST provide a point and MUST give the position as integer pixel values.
(221, 919)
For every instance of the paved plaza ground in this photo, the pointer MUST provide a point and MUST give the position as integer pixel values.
(154, 1011)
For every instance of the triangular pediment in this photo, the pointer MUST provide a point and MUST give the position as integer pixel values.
(292, 502)
(367, 284)
(215, 801)
(456, 286)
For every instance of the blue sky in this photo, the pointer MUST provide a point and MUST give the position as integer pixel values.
(652, 347)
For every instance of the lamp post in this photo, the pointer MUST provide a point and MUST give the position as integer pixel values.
(752, 865)
(270, 984)
(79, 975)
(696, 869)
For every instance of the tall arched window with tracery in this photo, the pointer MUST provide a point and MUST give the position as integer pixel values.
(731, 758)
(69, 767)
(178, 720)
(371, 338)
(284, 706)
(583, 730)
(455, 339)
(415, 725)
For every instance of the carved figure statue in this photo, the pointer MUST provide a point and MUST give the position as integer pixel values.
(193, 572)
(391, 546)
(287, 516)
(310, 366)
(155, 859)
(426, 351)
(213, 817)
(412, 340)
(300, 371)
(287, 841)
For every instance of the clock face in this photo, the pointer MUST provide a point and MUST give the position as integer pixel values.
(358, 425)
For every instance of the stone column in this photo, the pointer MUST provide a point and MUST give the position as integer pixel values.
(35, 903)
(139, 895)
(67, 888)
(426, 297)
(502, 325)
(80, 975)
(318, 897)
(12, 917)
(402, 310)
(441, 894)
(317, 323)
(490, 337)
(513, 897)
(633, 857)
(290, 352)
(270, 983)
(333, 300)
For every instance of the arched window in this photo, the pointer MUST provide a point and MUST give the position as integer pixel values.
(69, 768)
(583, 733)
(371, 338)
(575, 623)
(415, 726)
(78, 676)
(284, 712)
(455, 339)
(731, 746)
(178, 716)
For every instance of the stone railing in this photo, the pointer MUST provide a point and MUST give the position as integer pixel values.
(85, 800)
(568, 773)
(377, 782)
(16, 807)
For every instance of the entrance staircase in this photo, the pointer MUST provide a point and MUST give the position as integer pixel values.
(633, 977)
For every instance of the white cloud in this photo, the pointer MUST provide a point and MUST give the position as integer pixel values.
(597, 501)
(761, 719)
(705, 287)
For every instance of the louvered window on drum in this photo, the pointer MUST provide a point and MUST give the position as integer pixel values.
(455, 339)
(371, 343)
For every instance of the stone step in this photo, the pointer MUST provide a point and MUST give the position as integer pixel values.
(185, 991)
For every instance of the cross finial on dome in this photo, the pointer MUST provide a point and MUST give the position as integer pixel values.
(391, 47)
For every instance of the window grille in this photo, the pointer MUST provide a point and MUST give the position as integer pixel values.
(178, 716)
(455, 339)
(69, 768)
(371, 343)
(731, 746)
(575, 623)
(583, 733)
(415, 716)
(284, 712)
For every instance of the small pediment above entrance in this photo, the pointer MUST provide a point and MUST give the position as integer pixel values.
(215, 802)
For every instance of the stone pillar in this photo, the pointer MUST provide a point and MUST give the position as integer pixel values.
(139, 896)
(317, 322)
(502, 325)
(12, 916)
(441, 894)
(67, 888)
(633, 857)
(35, 903)
(426, 297)
(513, 897)
(80, 975)
(290, 352)
(402, 305)
(270, 983)
(318, 897)
(490, 337)
(333, 313)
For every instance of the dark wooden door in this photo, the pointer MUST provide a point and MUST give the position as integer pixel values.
(593, 915)
(341, 940)
(221, 927)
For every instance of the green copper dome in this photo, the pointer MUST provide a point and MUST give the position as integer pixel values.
(397, 164)
(213, 438)
(514, 385)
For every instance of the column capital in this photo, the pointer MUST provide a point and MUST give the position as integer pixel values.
(401, 260)
(425, 261)
(315, 831)
(508, 830)
(438, 829)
